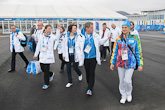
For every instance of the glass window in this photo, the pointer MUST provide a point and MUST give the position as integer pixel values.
(151, 17)
(17, 24)
(34, 23)
(54, 25)
(29, 26)
(6, 28)
(65, 26)
(69, 22)
(50, 22)
(10, 23)
(23, 26)
(161, 16)
(45, 23)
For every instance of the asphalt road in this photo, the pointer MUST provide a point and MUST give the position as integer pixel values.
(22, 91)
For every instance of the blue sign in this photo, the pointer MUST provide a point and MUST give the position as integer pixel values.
(97, 26)
(69, 19)
(149, 27)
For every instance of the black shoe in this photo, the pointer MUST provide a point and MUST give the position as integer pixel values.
(11, 70)
(62, 71)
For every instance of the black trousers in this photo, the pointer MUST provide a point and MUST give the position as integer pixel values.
(62, 61)
(108, 49)
(47, 73)
(14, 58)
(112, 43)
(104, 51)
(90, 65)
(75, 65)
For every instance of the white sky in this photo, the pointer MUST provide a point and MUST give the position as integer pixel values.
(131, 6)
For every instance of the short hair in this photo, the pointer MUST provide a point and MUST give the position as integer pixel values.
(87, 24)
(12, 25)
(132, 22)
(63, 28)
(70, 27)
(47, 27)
(104, 24)
(74, 23)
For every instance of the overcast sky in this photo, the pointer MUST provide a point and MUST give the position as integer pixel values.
(131, 6)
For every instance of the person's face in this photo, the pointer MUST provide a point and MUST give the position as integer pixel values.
(13, 28)
(61, 30)
(74, 29)
(132, 26)
(34, 27)
(113, 26)
(90, 29)
(39, 26)
(125, 29)
(104, 27)
(48, 30)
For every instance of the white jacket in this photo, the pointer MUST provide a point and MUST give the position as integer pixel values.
(38, 34)
(17, 45)
(60, 45)
(135, 32)
(79, 49)
(98, 41)
(78, 31)
(115, 33)
(47, 57)
(107, 33)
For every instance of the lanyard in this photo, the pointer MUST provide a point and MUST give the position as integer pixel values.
(88, 38)
(71, 42)
(47, 40)
(13, 38)
(60, 39)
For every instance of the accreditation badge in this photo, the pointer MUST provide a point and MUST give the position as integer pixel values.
(87, 49)
(71, 50)
(124, 55)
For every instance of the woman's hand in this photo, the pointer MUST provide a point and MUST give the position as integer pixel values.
(58, 26)
(34, 57)
(140, 68)
(112, 67)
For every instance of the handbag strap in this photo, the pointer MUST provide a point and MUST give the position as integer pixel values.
(130, 49)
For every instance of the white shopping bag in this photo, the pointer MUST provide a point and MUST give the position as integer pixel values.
(33, 67)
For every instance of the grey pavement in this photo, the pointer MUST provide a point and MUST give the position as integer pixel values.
(22, 91)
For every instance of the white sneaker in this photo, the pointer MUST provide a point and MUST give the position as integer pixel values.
(80, 77)
(51, 78)
(129, 98)
(69, 85)
(123, 100)
(104, 60)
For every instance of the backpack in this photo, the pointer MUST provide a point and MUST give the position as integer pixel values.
(24, 42)
(32, 44)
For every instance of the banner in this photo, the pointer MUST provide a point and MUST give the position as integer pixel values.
(149, 27)
(62, 19)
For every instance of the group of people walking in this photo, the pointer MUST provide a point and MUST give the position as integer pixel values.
(86, 48)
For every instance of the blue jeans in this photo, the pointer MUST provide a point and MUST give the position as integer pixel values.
(75, 65)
